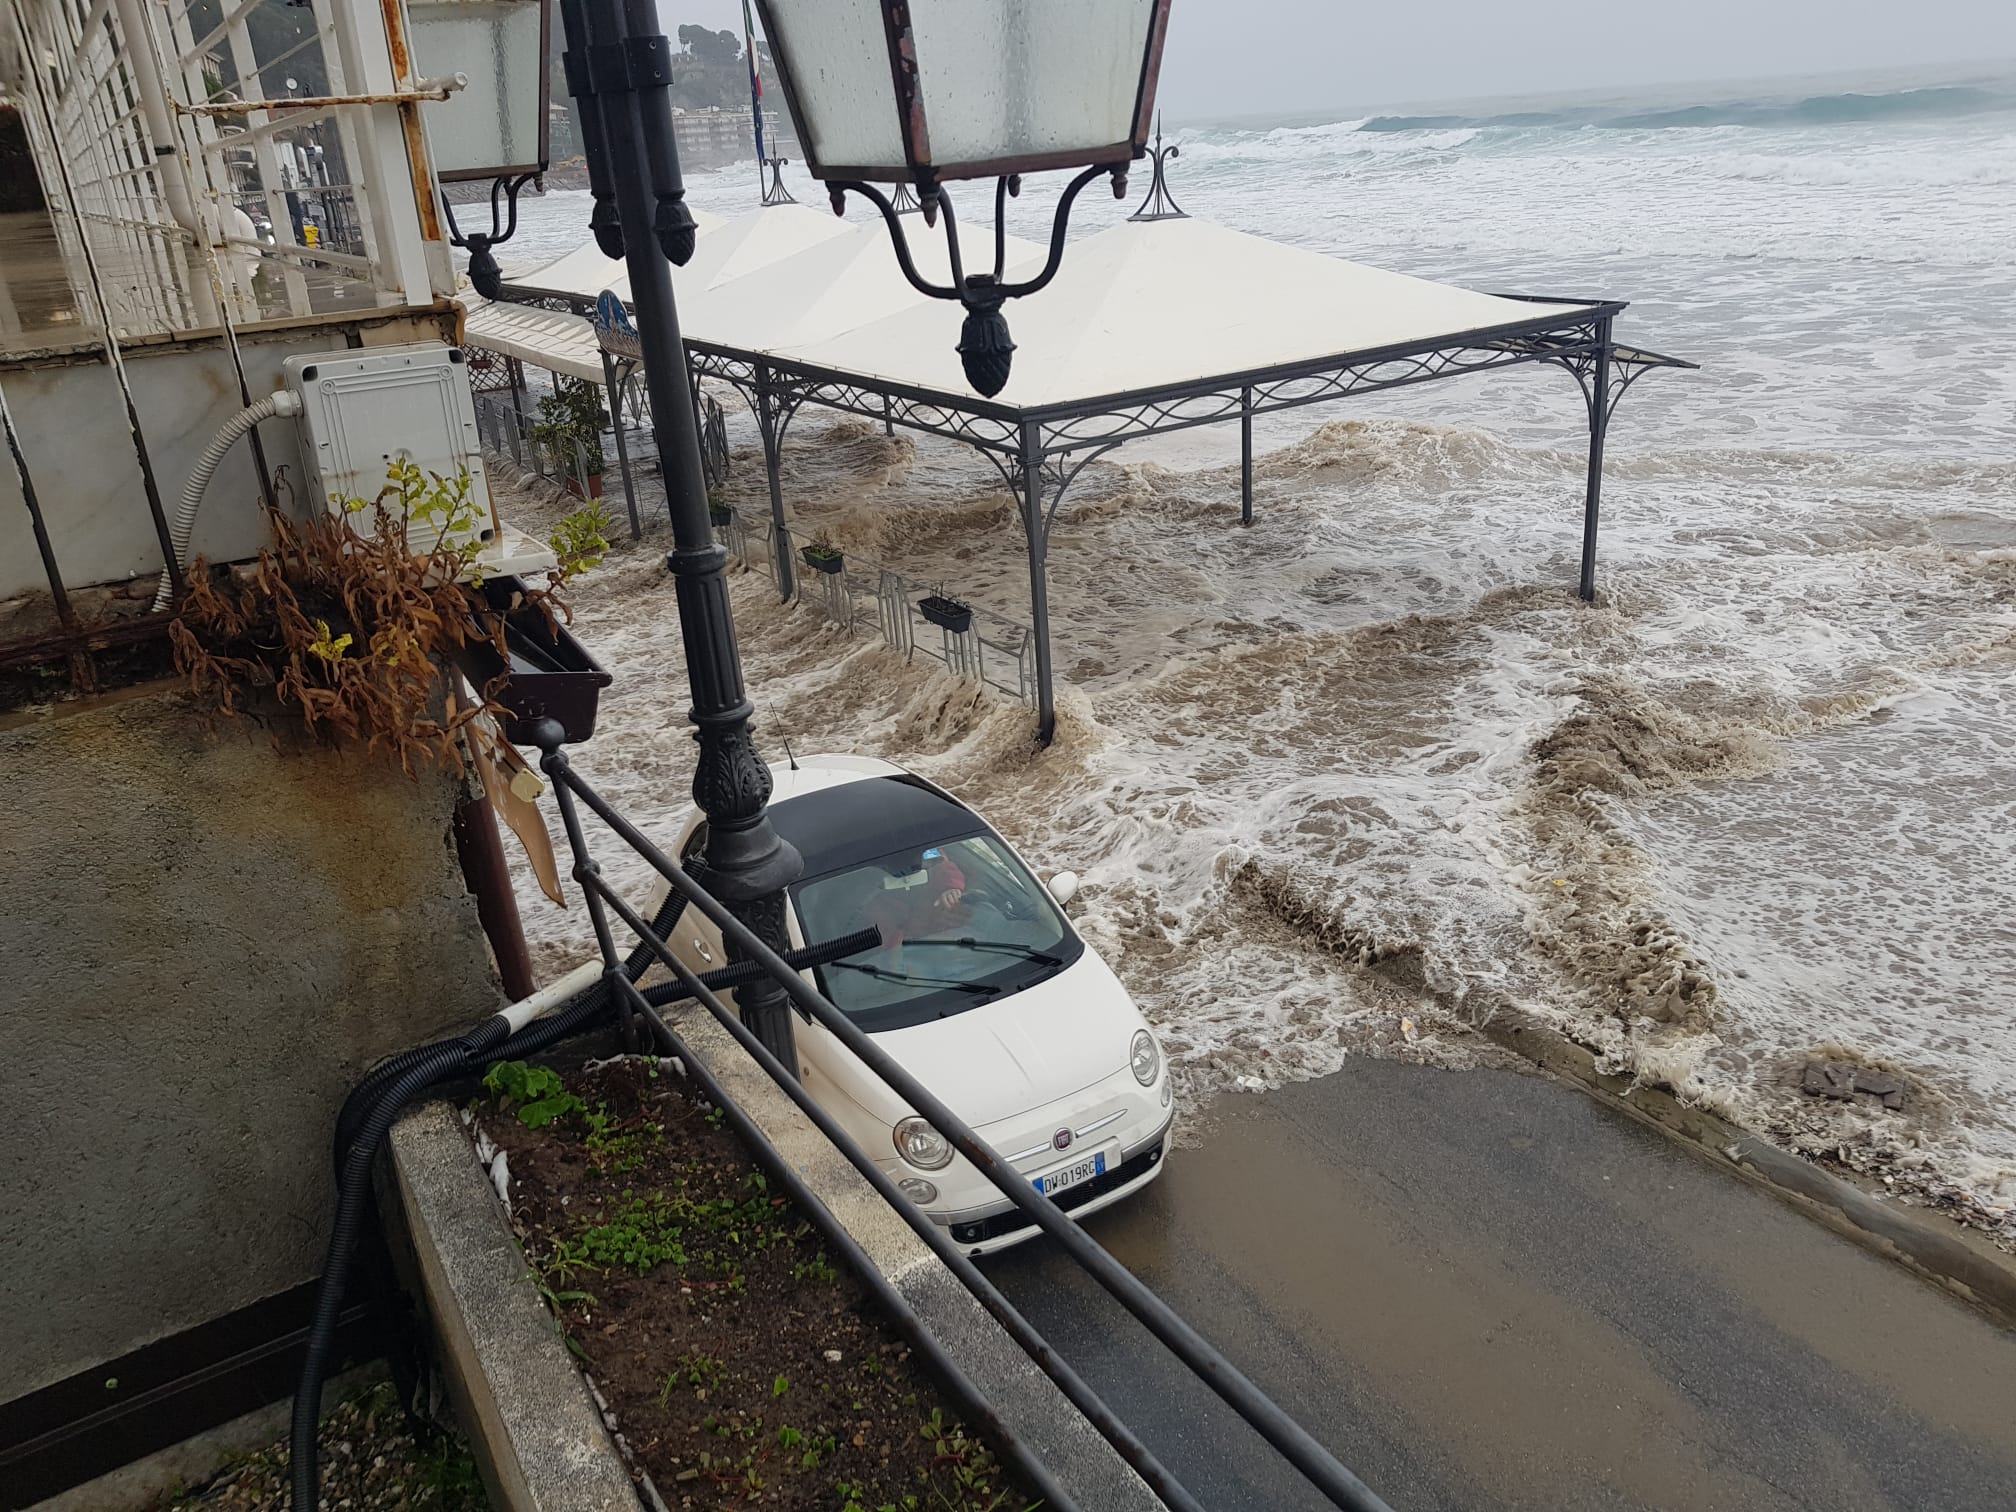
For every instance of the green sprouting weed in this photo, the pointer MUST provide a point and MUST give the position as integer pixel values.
(640, 1235)
(779, 1386)
(789, 1438)
(536, 1091)
(560, 1300)
(614, 1154)
(815, 1269)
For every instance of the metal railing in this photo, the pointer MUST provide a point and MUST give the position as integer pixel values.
(508, 413)
(993, 650)
(1294, 1443)
(509, 430)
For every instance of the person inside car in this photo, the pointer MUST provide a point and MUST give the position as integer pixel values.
(920, 900)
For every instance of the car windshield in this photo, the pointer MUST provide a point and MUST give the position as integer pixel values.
(962, 924)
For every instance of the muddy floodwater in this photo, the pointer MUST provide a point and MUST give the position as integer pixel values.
(1361, 775)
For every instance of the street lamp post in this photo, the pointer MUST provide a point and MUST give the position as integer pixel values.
(922, 91)
(618, 67)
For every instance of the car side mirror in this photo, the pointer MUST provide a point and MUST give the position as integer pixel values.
(1064, 887)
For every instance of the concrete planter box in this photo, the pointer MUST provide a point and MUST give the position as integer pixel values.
(533, 1424)
(537, 1435)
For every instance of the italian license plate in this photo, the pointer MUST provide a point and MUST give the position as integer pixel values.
(1065, 1177)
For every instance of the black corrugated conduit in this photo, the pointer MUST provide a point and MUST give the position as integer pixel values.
(375, 1103)
(582, 1008)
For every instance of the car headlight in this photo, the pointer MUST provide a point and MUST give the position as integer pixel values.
(923, 1146)
(918, 1190)
(1146, 1058)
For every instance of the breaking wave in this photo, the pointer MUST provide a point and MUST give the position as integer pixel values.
(1941, 103)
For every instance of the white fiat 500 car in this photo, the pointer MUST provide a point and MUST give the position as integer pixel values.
(980, 988)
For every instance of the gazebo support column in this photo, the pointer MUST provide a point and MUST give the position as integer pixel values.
(1246, 455)
(516, 370)
(615, 393)
(770, 422)
(1598, 393)
(1036, 528)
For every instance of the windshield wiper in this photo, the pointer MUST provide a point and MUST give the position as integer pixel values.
(918, 981)
(1003, 947)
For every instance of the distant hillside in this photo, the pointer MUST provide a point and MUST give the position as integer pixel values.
(709, 73)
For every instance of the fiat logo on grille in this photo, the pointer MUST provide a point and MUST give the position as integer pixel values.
(1061, 1139)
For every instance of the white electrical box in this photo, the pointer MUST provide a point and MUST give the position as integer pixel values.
(364, 408)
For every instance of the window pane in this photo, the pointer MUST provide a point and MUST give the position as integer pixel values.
(838, 54)
(1028, 76)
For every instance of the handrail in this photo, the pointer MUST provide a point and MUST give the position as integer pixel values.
(1288, 1437)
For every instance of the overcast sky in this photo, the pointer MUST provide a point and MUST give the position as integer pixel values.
(1233, 57)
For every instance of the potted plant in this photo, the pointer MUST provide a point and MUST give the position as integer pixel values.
(822, 555)
(718, 511)
(955, 615)
(572, 417)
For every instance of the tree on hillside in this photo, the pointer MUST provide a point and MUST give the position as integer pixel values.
(711, 47)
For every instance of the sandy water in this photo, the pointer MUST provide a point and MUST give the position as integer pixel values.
(1361, 775)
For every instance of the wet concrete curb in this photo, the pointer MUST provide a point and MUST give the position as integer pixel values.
(538, 1439)
(1976, 1273)
(1087, 1468)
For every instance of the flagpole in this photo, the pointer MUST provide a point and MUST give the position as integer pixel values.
(755, 92)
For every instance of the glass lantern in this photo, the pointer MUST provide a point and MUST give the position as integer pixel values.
(495, 127)
(931, 90)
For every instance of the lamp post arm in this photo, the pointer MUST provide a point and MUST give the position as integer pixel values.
(1059, 225)
(952, 258)
(1004, 186)
(896, 237)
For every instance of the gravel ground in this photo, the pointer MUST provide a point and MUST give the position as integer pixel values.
(375, 1458)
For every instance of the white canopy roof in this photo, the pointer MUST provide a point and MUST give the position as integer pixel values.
(549, 339)
(1140, 305)
(822, 293)
(724, 250)
(1148, 304)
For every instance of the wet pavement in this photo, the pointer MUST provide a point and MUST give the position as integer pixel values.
(1484, 1290)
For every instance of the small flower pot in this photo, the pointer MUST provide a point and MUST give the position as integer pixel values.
(947, 613)
(822, 561)
(720, 514)
(593, 490)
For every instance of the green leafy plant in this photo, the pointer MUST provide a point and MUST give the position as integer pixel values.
(536, 1092)
(349, 615)
(581, 540)
(572, 415)
(822, 546)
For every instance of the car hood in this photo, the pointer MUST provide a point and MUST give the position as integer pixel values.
(1006, 1057)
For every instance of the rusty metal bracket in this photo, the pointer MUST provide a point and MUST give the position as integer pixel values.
(425, 89)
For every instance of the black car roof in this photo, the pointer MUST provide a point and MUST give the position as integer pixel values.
(838, 827)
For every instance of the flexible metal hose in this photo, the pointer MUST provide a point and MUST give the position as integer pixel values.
(279, 403)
